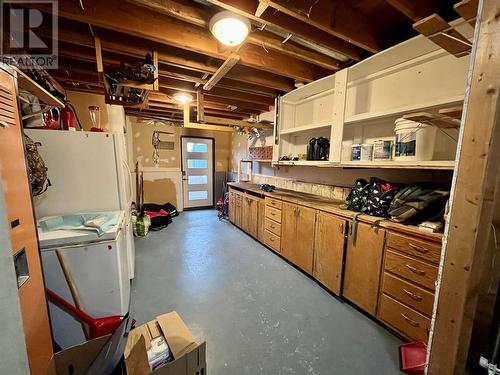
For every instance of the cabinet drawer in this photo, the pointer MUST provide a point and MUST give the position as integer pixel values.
(411, 269)
(405, 320)
(429, 251)
(276, 203)
(272, 240)
(273, 213)
(273, 227)
(415, 297)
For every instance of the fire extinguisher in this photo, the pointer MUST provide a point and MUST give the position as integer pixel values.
(69, 117)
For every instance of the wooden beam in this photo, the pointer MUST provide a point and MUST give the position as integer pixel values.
(231, 61)
(156, 84)
(261, 8)
(441, 33)
(200, 15)
(467, 9)
(200, 106)
(154, 26)
(414, 10)
(337, 18)
(284, 22)
(475, 186)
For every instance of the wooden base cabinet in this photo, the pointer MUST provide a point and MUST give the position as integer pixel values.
(249, 214)
(363, 264)
(297, 235)
(329, 250)
(236, 208)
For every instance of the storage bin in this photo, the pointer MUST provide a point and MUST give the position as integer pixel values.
(416, 141)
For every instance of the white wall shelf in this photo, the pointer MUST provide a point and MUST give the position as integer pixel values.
(305, 128)
(393, 164)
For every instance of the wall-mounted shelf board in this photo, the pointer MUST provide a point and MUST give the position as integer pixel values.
(393, 164)
(261, 160)
(25, 82)
(313, 163)
(365, 117)
(304, 128)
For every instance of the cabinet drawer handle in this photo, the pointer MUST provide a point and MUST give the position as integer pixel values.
(418, 248)
(272, 226)
(410, 321)
(414, 296)
(272, 239)
(415, 270)
(273, 213)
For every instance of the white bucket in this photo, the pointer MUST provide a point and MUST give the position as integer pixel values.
(414, 140)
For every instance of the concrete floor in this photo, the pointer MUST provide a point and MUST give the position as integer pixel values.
(258, 314)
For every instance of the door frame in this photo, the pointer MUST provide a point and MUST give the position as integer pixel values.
(213, 172)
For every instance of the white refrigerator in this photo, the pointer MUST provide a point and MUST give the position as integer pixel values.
(88, 172)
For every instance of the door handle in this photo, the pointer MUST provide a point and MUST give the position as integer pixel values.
(412, 295)
(415, 270)
(341, 227)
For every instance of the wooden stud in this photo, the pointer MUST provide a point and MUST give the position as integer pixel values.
(474, 191)
(200, 106)
(98, 58)
(467, 9)
(441, 33)
(222, 71)
(261, 8)
(156, 84)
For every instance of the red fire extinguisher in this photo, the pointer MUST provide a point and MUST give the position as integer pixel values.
(68, 121)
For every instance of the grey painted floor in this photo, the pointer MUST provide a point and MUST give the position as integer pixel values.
(258, 314)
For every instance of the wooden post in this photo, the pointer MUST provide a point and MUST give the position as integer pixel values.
(200, 106)
(156, 84)
(98, 58)
(473, 201)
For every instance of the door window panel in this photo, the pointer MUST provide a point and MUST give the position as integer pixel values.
(198, 180)
(197, 147)
(197, 163)
(198, 195)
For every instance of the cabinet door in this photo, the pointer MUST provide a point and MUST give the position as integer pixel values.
(249, 215)
(329, 250)
(261, 219)
(232, 207)
(297, 235)
(303, 253)
(363, 265)
(288, 227)
(238, 203)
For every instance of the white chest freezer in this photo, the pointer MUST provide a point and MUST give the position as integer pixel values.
(98, 268)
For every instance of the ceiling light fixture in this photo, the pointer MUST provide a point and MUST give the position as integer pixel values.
(229, 28)
(183, 97)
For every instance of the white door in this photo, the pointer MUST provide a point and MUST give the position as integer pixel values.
(198, 172)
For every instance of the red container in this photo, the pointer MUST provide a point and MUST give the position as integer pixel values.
(68, 121)
(413, 356)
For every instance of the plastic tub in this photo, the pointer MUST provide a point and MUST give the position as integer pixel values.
(414, 141)
(413, 356)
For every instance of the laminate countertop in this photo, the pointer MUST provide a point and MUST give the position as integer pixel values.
(333, 206)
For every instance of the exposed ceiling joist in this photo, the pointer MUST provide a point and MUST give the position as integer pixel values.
(199, 15)
(222, 71)
(261, 8)
(414, 10)
(284, 22)
(336, 18)
(467, 9)
(122, 17)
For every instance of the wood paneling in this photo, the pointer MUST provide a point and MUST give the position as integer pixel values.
(329, 250)
(17, 194)
(363, 263)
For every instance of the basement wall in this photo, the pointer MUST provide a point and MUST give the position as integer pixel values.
(163, 183)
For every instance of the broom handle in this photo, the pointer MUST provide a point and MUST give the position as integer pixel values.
(71, 285)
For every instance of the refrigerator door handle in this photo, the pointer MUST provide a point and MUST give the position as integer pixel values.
(129, 178)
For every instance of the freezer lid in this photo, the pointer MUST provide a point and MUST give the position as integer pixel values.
(58, 238)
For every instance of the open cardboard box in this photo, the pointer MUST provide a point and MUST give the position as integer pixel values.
(189, 356)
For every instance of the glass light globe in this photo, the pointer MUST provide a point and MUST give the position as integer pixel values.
(183, 97)
(229, 28)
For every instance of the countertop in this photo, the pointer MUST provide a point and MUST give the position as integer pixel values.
(332, 206)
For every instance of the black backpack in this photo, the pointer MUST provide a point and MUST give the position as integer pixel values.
(418, 203)
(379, 200)
(358, 196)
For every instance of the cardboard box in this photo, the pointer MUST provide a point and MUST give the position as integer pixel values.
(189, 356)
